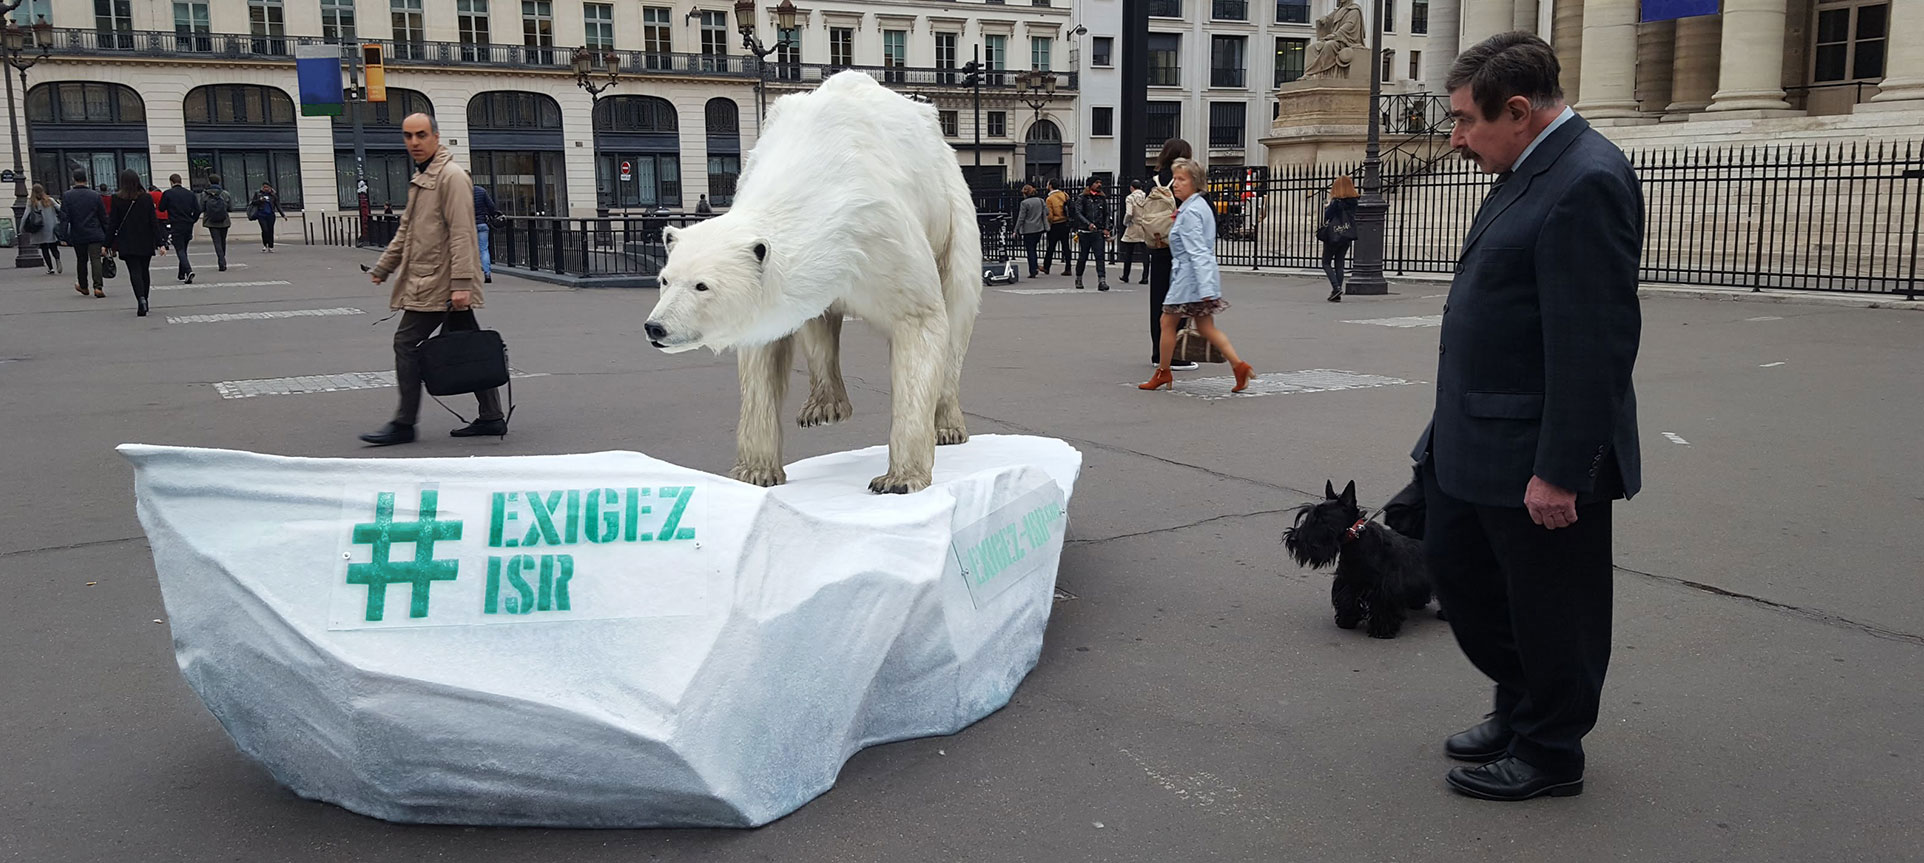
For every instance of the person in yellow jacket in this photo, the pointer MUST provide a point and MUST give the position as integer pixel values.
(1057, 203)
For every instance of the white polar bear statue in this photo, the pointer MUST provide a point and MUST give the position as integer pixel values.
(850, 202)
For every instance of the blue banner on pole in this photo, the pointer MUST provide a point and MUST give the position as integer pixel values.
(1666, 10)
(319, 70)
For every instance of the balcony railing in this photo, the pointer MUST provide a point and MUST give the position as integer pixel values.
(1229, 10)
(239, 46)
(1225, 137)
(1165, 8)
(904, 77)
(1165, 76)
(1225, 77)
(1292, 11)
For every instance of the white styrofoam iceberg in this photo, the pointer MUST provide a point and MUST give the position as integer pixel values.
(596, 640)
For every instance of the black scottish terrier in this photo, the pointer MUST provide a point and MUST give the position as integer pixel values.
(1379, 572)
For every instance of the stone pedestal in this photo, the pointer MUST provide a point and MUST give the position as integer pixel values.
(1321, 120)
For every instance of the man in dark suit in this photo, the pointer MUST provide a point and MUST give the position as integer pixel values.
(1535, 427)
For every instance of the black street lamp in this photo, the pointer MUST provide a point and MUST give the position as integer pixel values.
(596, 71)
(1038, 88)
(1372, 212)
(745, 23)
(24, 46)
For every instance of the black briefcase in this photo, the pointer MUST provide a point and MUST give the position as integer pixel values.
(464, 361)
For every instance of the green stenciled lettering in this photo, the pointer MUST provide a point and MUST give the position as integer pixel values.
(574, 516)
(543, 527)
(523, 600)
(672, 529)
(497, 519)
(420, 573)
(602, 526)
(634, 512)
(556, 571)
(493, 600)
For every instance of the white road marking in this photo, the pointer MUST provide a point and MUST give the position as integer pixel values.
(1283, 383)
(1770, 365)
(1433, 296)
(1030, 292)
(305, 384)
(1765, 318)
(220, 285)
(1408, 322)
(1676, 439)
(261, 316)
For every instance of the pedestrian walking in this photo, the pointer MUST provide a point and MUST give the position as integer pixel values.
(1338, 232)
(485, 214)
(1031, 222)
(85, 212)
(1131, 244)
(1534, 432)
(435, 260)
(1056, 202)
(1160, 260)
(1196, 285)
(1091, 219)
(702, 206)
(41, 222)
(217, 215)
(135, 235)
(182, 207)
(265, 207)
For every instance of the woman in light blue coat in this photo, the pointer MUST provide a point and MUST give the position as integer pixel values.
(1195, 284)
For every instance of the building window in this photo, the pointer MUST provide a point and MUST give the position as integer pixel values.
(1101, 50)
(1229, 10)
(1165, 8)
(1292, 11)
(950, 124)
(1039, 49)
(337, 20)
(1850, 41)
(1416, 65)
(1165, 60)
(1389, 65)
(598, 23)
(945, 57)
(409, 31)
(32, 11)
(265, 22)
(191, 27)
(995, 55)
(537, 29)
(998, 124)
(1226, 124)
(788, 57)
(656, 33)
(1420, 17)
(472, 17)
(1290, 57)
(723, 171)
(841, 46)
(1389, 16)
(714, 40)
(1164, 121)
(895, 55)
(1102, 122)
(114, 20)
(1226, 62)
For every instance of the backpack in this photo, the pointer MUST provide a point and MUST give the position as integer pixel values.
(1157, 215)
(214, 209)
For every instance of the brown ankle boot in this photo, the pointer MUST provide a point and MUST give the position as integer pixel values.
(1162, 378)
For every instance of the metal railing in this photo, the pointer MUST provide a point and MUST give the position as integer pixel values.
(1165, 76)
(1292, 12)
(1219, 77)
(628, 248)
(1165, 8)
(908, 77)
(1229, 10)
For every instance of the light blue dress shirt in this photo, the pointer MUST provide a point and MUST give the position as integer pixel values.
(1193, 276)
(1554, 124)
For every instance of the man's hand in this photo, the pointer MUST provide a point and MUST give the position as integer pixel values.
(460, 300)
(376, 278)
(1549, 505)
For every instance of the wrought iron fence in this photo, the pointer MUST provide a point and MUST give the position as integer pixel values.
(618, 249)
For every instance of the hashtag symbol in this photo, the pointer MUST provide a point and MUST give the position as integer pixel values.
(420, 572)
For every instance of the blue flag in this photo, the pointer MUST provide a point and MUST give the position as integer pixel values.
(1666, 10)
(319, 70)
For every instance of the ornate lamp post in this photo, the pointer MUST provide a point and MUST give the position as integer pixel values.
(745, 23)
(1038, 87)
(596, 71)
(25, 46)
(1372, 212)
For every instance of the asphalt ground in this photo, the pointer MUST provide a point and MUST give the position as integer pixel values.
(1194, 700)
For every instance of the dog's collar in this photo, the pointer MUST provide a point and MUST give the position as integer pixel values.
(1355, 530)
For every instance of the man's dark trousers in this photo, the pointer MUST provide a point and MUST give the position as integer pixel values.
(1512, 590)
(1058, 238)
(219, 237)
(1090, 244)
(415, 328)
(183, 234)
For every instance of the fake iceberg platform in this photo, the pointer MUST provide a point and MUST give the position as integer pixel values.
(596, 640)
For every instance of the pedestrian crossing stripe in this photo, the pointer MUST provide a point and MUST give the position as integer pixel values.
(305, 384)
(261, 316)
(221, 285)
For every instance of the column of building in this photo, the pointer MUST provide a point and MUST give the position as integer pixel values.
(1485, 18)
(1903, 85)
(1694, 62)
(1751, 66)
(1609, 59)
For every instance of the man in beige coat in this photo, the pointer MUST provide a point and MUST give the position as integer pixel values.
(437, 263)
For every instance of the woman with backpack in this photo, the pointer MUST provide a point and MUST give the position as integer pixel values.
(43, 213)
(217, 215)
(1338, 232)
(1196, 283)
(134, 234)
(1158, 213)
(265, 208)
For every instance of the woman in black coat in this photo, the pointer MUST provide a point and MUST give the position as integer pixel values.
(1160, 260)
(134, 234)
(1339, 225)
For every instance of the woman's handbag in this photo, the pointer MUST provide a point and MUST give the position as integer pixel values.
(1191, 347)
(1337, 231)
(108, 267)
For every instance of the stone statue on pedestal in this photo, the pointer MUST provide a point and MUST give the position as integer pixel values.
(1339, 37)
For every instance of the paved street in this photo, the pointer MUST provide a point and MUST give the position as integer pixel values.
(1194, 700)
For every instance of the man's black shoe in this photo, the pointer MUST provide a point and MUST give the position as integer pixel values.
(482, 428)
(1511, 779)
(1486, 742)
(390, 434)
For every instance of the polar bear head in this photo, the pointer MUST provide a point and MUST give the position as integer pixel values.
(714, 293)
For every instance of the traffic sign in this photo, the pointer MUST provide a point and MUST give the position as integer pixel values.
(627, 172)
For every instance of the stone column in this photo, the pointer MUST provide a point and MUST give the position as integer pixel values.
(1567, 38)
(1610, 59)
(1750, 73)
(1694, 67)
(1656, 41)
(1485, 18)
(1904, 65)
(1444, 25)
(1524, 16)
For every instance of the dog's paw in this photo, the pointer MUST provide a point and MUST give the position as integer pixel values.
(758, 475)
(1347, 622)
(1383, 631)
(824, 409)
(1440, 615)
(893, 483)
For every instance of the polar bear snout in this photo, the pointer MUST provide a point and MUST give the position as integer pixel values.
(656, 332)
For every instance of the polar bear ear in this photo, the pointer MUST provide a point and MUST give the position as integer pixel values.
(668, 233)
(761, 252)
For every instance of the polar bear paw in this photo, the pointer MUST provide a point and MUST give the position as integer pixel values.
(951, 436)
(898, 483)
(824, 409)
(764, 476)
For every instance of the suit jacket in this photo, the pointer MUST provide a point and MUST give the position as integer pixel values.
(1540, 332)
